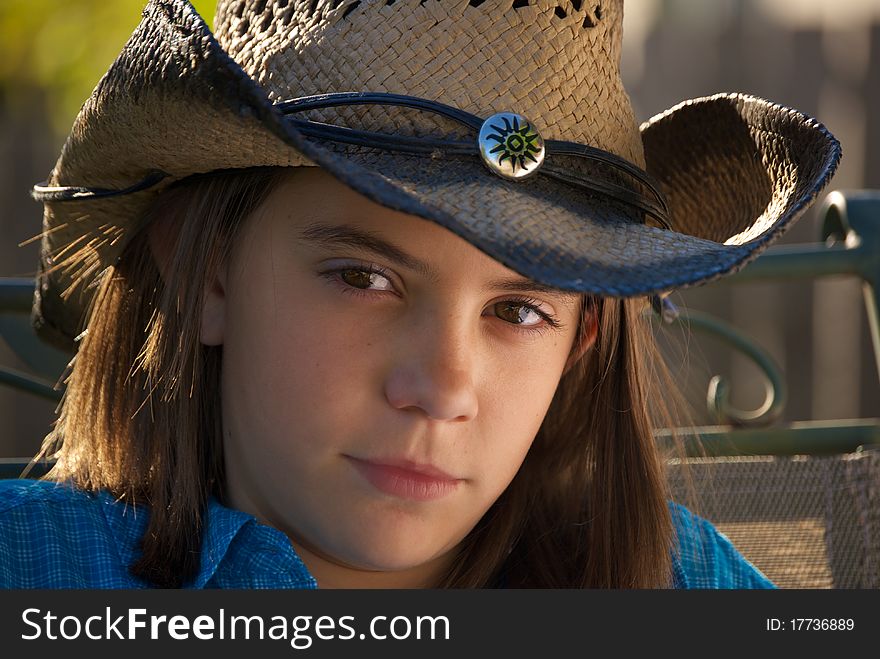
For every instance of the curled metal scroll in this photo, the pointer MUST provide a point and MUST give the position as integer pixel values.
(718, 393)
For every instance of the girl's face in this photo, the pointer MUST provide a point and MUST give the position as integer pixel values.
(382, 380)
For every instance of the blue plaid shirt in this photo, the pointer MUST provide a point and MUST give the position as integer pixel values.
(55, 536)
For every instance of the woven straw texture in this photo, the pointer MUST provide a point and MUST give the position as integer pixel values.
(736, 170)
(482, 59)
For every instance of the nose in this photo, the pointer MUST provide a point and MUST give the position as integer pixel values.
(435, 373)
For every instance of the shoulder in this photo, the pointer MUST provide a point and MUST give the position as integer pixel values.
(54, 535)
(31, 500)
(705, 558)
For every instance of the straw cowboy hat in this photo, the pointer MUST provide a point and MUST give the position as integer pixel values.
(504, 121)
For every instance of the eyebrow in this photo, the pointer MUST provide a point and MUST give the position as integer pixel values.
(328, 235)
(345, 236)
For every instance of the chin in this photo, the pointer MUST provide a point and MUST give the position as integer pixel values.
(387, 558)
(390, 553)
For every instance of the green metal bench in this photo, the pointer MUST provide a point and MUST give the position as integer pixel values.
(850, 246)
(801, 500)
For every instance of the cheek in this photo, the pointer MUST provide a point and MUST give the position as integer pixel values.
(290, 363)
(295, 396)
(513, 406)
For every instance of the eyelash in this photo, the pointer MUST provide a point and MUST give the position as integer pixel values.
(550, 323)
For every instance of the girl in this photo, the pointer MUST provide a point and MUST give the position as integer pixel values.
(355, 291)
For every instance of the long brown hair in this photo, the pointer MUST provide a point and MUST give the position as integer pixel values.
(141, 417)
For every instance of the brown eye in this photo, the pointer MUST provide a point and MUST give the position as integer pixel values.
(365, 279)
(356, 278)
(517, 314)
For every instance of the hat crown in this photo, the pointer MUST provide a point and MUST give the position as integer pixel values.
(555, 62)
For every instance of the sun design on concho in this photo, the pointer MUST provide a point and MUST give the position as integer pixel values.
(514, 149)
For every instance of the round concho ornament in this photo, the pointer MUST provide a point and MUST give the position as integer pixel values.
(510, 146)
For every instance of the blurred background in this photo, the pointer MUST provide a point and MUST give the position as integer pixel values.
(819, 57)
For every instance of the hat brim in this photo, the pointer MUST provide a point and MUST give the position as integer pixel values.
(737, 171)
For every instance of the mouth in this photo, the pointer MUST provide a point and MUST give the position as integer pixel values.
(405, 479)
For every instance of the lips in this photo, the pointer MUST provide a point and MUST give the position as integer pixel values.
(406, 480)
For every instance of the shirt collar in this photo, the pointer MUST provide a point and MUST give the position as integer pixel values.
(261, 553)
